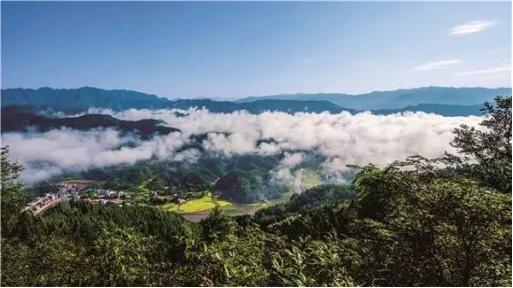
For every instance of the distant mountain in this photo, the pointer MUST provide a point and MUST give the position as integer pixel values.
(81, 99)
(214, 106)
(22, 119)
(292, 106)
(398, 98)
(441, 109)
(440, 100)
(260, 106)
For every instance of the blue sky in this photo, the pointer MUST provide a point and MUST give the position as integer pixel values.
(235, 49)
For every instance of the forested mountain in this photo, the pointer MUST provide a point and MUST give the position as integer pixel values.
(260, 106)
(22, 119)
(81, 99)
(419, 222)
(396, 99)
(180, 176)
(440, 109)
(440, 100)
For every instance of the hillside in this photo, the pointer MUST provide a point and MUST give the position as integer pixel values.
(445, 101)
(81, 99)
(260, 106)
(441, 109)
(396, 99)
(22, 119)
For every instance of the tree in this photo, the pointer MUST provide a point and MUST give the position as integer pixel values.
(439, 232)
(310, 263)
(237, 259)
(121, 258)
(12, 197)
(216, 226)
(486, 151)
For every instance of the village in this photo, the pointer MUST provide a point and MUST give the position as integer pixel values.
(82, 190)
(66, 191)
(74, 191)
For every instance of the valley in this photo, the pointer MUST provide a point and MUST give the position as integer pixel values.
(193, 206)
(256, 144)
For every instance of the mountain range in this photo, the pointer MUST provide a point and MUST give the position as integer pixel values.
(397, 99)
(16, 118)
(448, 101)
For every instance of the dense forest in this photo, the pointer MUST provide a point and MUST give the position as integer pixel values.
(417, 222)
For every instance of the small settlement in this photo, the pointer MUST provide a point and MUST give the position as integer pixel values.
(65, 191)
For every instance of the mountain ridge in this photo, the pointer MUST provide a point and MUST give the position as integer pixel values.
(432, 99)
(395, 99)
(16, 119)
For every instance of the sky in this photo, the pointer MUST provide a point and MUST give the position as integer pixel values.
(237, 49)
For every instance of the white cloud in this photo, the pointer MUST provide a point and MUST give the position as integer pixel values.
(437, 65)
(470, 27)
(488, 71)
(341, 138)
(308, 61)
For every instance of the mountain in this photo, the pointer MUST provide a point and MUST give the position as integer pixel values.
(81, 99)
(22, 119)
(240, 186)
(440, 109)
(260, 106)
(292, 106)
(441, 100)
(398, 98)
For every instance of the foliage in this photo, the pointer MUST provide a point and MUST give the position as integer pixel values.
(11, 196)
(237, 259)
(411, 223)
(442, 232)
(310, 263)
(240, 187)
(489, 146)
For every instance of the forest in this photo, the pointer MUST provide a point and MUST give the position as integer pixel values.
(416, 222)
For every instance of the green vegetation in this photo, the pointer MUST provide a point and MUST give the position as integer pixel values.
(311, 178)
(206, 202)
(419, 222)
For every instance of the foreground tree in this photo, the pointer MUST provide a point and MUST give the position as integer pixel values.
(434, 232)
(10, 186)
(485, 152)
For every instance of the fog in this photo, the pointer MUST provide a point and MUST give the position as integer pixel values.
(341, 138)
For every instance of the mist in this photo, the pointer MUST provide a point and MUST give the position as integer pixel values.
(341, 139)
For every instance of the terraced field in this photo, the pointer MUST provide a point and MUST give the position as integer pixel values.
(206, 202)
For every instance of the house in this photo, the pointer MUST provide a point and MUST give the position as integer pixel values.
(102, 193)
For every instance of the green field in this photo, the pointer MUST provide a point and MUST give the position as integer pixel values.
(206, 202)
(311, 178)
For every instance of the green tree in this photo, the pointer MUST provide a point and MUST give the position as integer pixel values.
(310, 263)
(51, 261)
(237, 259)
(121, 258)
(440, 231)
(216, 226)
(12, 198)
(489, 146)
